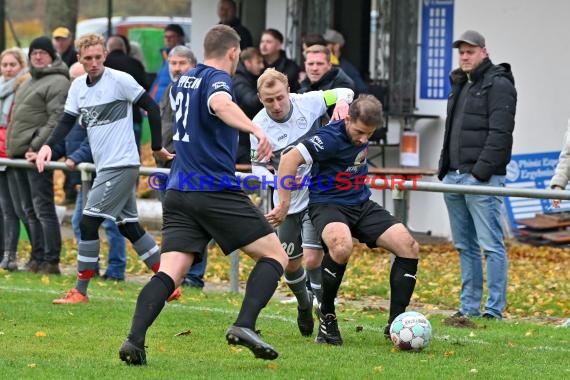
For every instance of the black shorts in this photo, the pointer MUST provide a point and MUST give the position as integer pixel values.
(366, 221)
(192, 218)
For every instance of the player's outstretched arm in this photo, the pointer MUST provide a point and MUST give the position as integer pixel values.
(229, 112)
(341, 97)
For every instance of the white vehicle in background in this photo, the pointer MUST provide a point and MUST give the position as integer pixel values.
(122, 24)
(144, 33)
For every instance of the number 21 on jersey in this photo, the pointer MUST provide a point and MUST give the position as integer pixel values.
(181, 107)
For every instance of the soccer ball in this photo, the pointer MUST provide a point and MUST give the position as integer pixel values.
(410, 331)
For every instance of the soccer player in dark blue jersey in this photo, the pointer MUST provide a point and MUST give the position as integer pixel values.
(340, 209)
(203, 200)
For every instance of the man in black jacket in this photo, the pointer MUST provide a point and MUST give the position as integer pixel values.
(322, 75)
(227, 12)
(244, 80)
(63, 43)
(271, 48)
(476, 150)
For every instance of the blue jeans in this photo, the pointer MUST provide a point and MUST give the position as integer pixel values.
(476, 225)
(117, 258)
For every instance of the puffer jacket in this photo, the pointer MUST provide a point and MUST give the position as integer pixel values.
(38, 106)
(487, 123)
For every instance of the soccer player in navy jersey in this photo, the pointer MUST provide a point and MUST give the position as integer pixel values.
(203, 200)
(287, 119)
(340, 209)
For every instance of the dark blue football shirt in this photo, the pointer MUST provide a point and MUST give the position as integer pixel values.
(336, 164)
(205, 146)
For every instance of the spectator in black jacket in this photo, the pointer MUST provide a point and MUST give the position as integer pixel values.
(476, 150)
(118, 59)
(248, 70)
(227, 11)
(322, 75)
(63, 43)
(271, 48)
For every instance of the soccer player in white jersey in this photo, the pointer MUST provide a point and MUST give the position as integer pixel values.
(286, 119)
(102, 100)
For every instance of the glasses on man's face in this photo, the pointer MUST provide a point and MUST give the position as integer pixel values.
(39, 52)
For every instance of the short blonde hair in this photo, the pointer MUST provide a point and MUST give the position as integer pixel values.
(269, 77)
(88, 40)
(17, 53)
(318, 49)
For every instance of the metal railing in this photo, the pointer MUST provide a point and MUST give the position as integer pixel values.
(399, 196)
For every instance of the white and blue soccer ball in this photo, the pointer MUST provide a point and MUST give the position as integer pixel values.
(410, 331)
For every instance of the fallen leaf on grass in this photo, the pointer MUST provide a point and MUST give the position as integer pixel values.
(378, 369)
(162, 349)
(529, 333)
(32, 365)
(182, 333)
(40, 334)
(44, 280)
(473, 370)
(448, 353)
(272, 366)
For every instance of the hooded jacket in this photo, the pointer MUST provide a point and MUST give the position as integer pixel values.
(487, 121)
(38, 106)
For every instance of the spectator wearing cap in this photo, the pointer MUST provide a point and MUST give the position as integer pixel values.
(227, 12)
(63, 43)
(173, 36)
(477, 145)
(271, 48)
(335, 41)
(38, 106)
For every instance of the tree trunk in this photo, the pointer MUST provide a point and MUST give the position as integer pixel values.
(60, 13)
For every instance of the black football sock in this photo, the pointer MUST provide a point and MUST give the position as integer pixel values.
(332, 274)
(261, 285)
(402, 284)
(150, 302)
